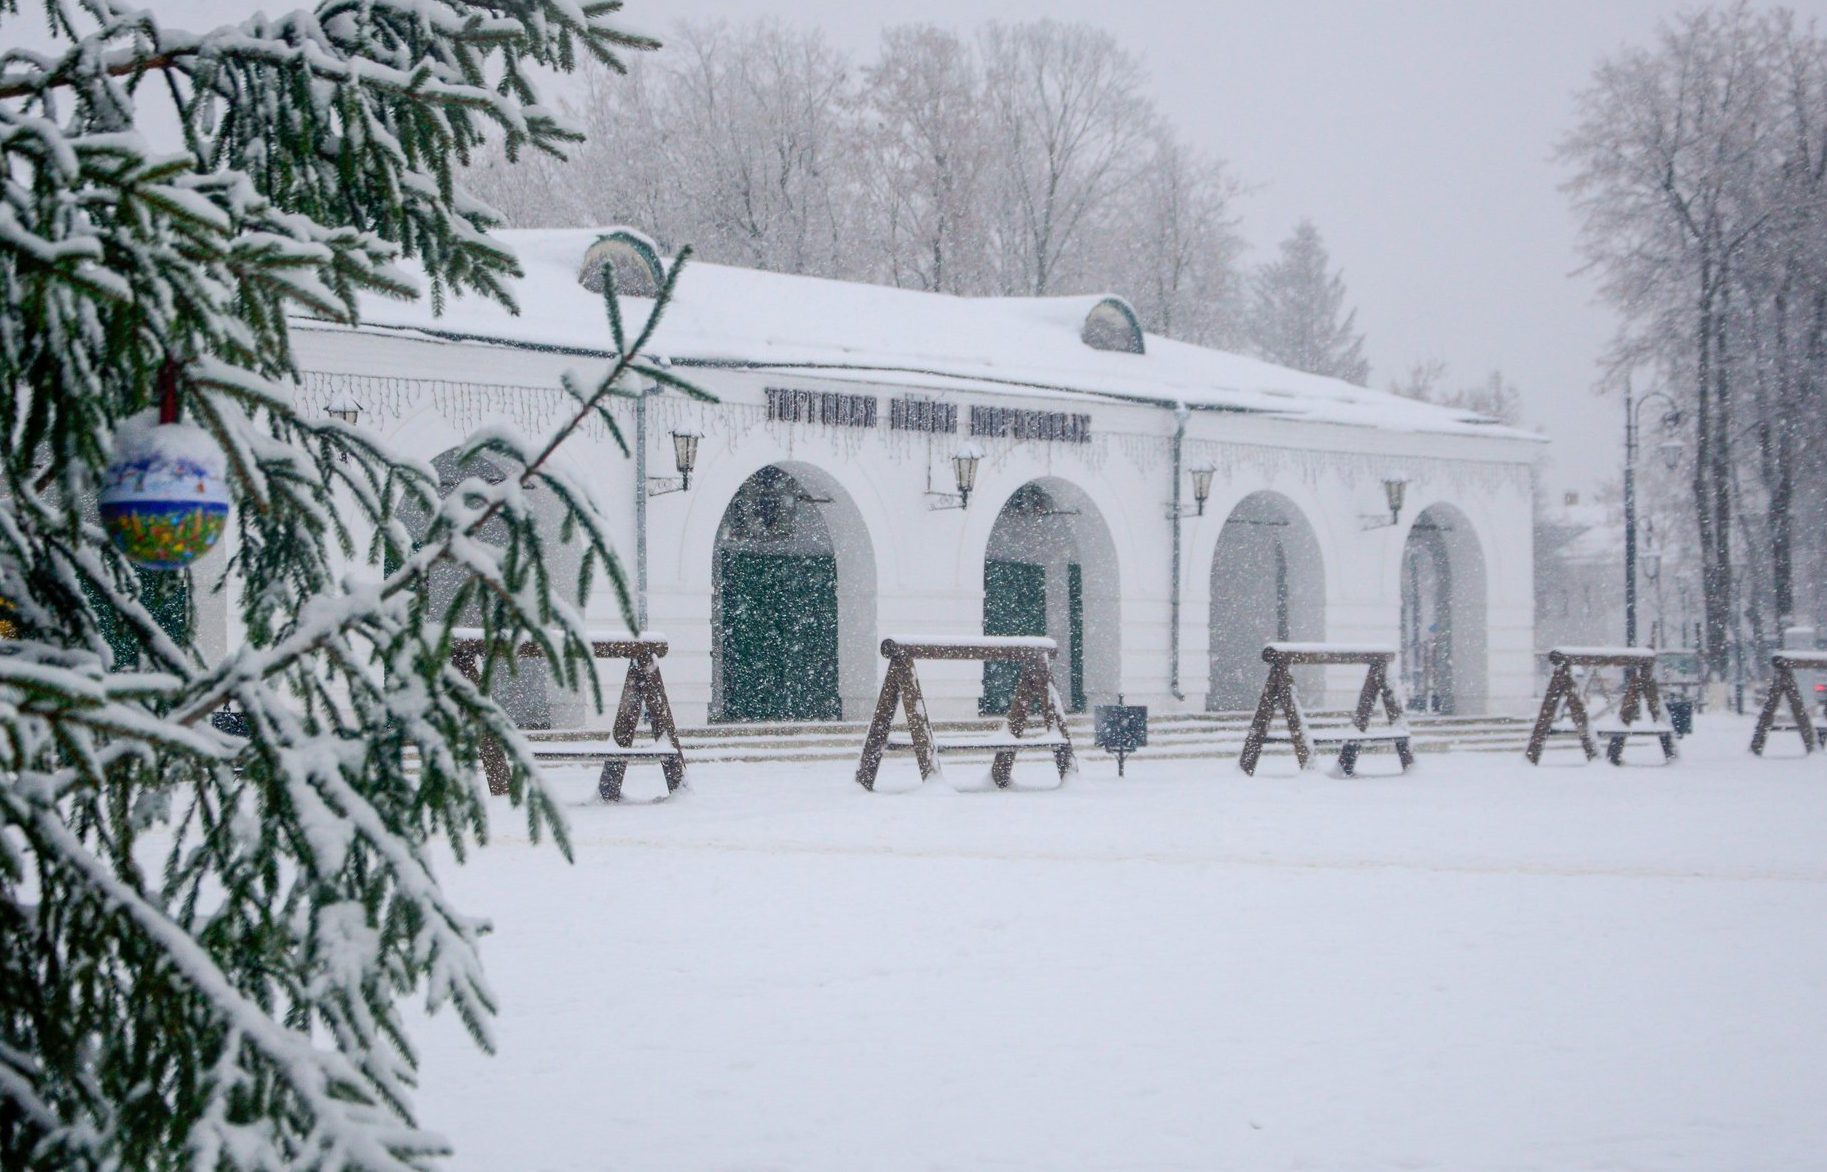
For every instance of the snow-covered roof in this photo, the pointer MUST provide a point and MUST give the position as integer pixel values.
(745, 317)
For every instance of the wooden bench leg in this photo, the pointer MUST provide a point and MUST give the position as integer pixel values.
(1562, 681)
(1258, 733)
(1002, 769)
(876, 742)
(495, 766)
(609, 783)
(1614, 750)
(1348, 758)
(1405, 753)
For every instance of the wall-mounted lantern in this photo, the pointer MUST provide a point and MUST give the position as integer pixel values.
(1202, 492)
(964, 474)
(685, 458)
(1202, 488)
(685, 454)
(1395, 492)
(344, 410)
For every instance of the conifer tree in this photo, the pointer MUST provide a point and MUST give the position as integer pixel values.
(1298, 315)
(204, 938)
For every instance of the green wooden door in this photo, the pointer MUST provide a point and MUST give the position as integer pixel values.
(779, 637)
(1014, 603)
(164, 593)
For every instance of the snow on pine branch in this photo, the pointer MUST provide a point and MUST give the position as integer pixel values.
(209, 934)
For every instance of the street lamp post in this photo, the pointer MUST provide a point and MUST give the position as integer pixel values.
(1671, 456)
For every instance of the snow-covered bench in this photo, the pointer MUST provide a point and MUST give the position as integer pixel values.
(1640, 691)
(1280, 696)
(643, 692)
(1784, 689)
(1034, 695)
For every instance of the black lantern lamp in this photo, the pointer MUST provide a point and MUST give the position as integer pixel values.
(965, 462)
(344, 410)
(684, 458)
(964, 470)
(1202, 487)
(1395, 490)
(1395, 494)
(685, 454)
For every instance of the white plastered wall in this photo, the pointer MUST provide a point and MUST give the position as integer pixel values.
(928, 564)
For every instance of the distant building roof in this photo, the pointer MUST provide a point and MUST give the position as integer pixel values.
(745, 317)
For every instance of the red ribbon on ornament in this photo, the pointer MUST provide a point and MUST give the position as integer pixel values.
(168, 392)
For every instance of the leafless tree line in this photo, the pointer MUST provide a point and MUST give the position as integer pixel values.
(1024, 160)
(1701, 180)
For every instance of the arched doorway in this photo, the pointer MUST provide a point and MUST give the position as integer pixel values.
(1268, 585)
(793, 606)
(524, 691)
(1443, 621)
(1050, 569)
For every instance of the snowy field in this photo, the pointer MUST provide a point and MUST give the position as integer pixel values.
(1478, 966)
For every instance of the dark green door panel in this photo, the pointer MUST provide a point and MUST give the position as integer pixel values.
(779, 637)
(164, 593)
(1014, 603)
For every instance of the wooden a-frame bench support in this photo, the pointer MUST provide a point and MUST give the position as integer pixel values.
(1034, 696)
(1279, 697)
(643, 692)
(1785, 690)
(1640, 690)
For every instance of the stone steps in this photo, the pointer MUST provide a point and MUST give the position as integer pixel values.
(1173, 736)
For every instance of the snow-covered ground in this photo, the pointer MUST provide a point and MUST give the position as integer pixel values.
(1479, 966)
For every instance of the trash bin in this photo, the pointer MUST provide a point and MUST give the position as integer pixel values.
(1681, 715)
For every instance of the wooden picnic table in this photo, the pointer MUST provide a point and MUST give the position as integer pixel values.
(1641, 691)
(1034, 696)
(1785, 690)
(643, 693)
(1279, 696)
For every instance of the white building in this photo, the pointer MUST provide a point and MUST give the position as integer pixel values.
(809, 531)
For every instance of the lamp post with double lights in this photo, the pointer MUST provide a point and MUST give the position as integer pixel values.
(1670, 450)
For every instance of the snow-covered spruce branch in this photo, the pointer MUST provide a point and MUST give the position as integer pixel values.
(349, 1131)
(238, 1005)
(339, 42)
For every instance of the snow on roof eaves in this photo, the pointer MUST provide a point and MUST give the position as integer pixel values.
(724, 316)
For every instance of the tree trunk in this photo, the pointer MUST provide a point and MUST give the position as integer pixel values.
(1719, 604)
(1715, 578)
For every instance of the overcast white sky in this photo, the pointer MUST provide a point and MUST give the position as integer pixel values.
(1416, 133)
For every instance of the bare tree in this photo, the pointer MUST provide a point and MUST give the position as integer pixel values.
(1496, 396)
(1175, 251)
(1025, 161)
(759, 137)
(1669, 149)
(926, 150)
(1070, 126)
